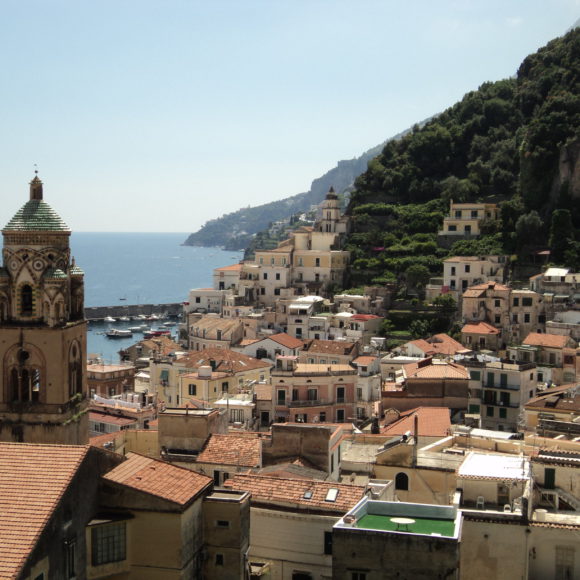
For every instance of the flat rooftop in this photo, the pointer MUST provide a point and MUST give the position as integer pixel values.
(494, 466)
(403, 518)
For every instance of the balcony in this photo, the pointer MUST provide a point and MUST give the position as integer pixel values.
(313, 403)
(510, 405)
(502, 387)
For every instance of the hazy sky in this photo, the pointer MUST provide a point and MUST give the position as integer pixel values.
(158, 115)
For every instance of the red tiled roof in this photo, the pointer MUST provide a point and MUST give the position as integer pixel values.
(426, 370)
(432, 422)
(547, 340)
(329, 347)
(364, 360)
(162, 344)
(290, 492)
(176, 484)
(232, 450)
(225, 360)
(479, 328)
(231, 268)
(100, 440)
(364, 317)
(110, 419)
(286, 340)
(33, 479)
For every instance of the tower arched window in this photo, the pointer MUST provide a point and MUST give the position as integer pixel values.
(402, 481)
(26, 300)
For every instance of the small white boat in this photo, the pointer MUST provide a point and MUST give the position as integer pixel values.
(109, 319)
(114, 333)
(124, 318)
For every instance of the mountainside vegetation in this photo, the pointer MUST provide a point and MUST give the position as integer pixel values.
(514, 142)
(235, 230)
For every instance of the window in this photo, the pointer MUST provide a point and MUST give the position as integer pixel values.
(526, 317)
(503, 413)
(497, 319)
(277, 275)
(192, 390)
(276, 291)
(359, 393)
(26, 300)
(358, 576)
(503, 380)
(496, 303)
(490, 379)
(402, 481)
(453, 270)
(317, 263)
(328, 543)
(219, 559)
(526, 301)
(322, 416)
(225, 387)
(340, 395)
(70, 558)
(312, 394)
(452, 228)
(467, 268)
(295, 395)
(564, 563)
(475, 375)
(265, 275)
(515, 318)
(340, 416)
(489, 411)
(516, 302)
(222, 523)
(197, 299)
(108, 543)
(300, 262)
(281, 397)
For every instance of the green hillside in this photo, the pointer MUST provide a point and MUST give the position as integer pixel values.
(514, 142)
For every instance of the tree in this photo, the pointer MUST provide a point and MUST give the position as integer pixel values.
(561, 233)
(528, 228)
(417, 276)
(419, 328)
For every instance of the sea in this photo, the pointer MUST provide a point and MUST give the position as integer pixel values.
(139, 268)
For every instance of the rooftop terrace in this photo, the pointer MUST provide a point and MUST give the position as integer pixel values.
(403, 518)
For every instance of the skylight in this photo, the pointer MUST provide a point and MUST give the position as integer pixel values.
(307, 494)
(332, 494)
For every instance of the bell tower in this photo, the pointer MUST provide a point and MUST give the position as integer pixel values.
(43, 395)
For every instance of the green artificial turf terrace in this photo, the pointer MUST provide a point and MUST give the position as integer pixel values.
(425, 526)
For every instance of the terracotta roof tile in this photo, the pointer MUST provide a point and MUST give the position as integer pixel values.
(547, 340)
(33, 478)
(226, 360)
(176, 484)
(232, 450)
(479, 328)
(267, 490)
(426, 370)
(330, 347)
(432, 422)
(286, 340)
(364, 360)
(232, 268)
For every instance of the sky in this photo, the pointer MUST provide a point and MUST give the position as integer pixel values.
(158, 115)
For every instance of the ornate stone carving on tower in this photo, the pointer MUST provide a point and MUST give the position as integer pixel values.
(42, 330)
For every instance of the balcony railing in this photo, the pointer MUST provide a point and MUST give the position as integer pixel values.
(502, 387)
(313, 403)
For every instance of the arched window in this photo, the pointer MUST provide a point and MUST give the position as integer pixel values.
(26, 300)
(402, 481)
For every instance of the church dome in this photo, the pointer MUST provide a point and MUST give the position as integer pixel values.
(36, 215)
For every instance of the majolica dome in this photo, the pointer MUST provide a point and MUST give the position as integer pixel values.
(36, 215)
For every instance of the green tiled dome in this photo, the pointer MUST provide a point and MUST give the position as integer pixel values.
(55, 273)
(36, 215)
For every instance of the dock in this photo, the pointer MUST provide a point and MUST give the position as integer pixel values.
(99, 313)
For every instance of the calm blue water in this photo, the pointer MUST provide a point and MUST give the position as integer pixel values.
(142, 268)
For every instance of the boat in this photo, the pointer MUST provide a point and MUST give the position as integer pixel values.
(170, 323)
(141, 328)
(109, 319)
(155, 333)
(124, 318)
(115, 333)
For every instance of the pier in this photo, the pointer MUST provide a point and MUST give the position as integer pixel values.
(99, 313)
